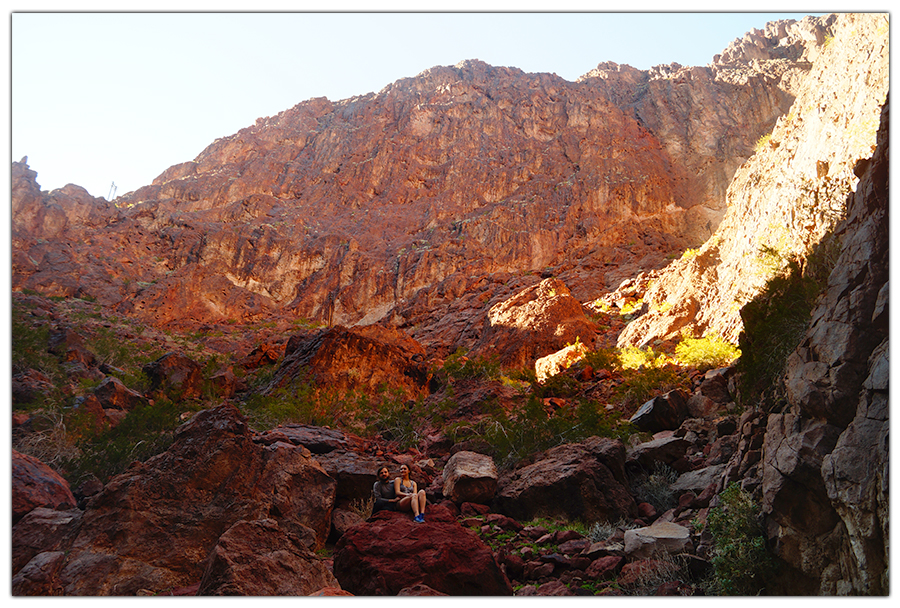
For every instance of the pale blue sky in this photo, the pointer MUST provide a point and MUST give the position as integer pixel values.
(103, 97)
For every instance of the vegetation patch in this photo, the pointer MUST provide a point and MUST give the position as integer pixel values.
(530, 428)
(706, 353)
(740, 560)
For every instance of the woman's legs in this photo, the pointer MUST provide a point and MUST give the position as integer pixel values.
(421, 501)
(406, 503)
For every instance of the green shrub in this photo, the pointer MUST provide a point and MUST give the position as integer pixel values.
(146, 431)
(557, 385)
(706, 353)
(632, 357)
(459, 366)
(640, 385)
(30, 342)
(740, 560)
(530, 429)
(604, 358)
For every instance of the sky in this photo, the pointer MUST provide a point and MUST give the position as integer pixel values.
(99, 98)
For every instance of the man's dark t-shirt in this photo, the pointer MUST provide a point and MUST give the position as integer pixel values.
(384, 493)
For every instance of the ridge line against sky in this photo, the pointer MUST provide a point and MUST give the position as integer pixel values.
(99, 99)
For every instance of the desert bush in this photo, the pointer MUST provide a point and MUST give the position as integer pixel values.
(655, 488)
(460, 366)
(146, 431)
(663, 568)
(604, 358)
(632, 357)
(398, 419)
(602, 530)
(53, 438)
(706, 353)
(557, 385)
(363, 506)
(640, 385)
(532, 429)
(740, 561)
(30, 341)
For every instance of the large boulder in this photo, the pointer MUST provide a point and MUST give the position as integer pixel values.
(34, 484)
(662, 413)
(316, 439)
(175, 375)
(576, 481)
(661, 537)
(539, 320)
(390, 552)
(354, 473)
(151, 527)
(470, 477)
(662, 451)
(42, 530)
(256, 558)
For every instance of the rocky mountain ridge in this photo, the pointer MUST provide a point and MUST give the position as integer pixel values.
(351, 211)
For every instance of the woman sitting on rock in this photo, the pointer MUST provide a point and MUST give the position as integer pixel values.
(409, 494)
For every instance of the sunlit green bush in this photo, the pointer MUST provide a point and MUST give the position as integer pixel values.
(706, 353)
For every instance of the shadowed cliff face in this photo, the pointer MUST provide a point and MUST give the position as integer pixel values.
(349, 212)
(785, 198)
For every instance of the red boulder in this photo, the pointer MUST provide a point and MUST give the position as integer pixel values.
(34, 484)
(390, 553)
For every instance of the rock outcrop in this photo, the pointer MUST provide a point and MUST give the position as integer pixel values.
(390, 552)
(537, 321)
(152, 528)
(347, 212)
(809, 159)
(825, 483)
(368, 360)
(575, 481)
(34, 485)
(256, 558)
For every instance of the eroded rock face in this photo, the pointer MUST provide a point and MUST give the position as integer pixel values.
(810, 159)
(342, 212)
(826, 460)
(152, 527)
(536, 322)
(364, 359)
(258, 558)
(390, 552)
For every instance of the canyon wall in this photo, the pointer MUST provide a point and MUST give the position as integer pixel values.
(785, 198)
(361, 210)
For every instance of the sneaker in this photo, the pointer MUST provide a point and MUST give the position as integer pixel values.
(419, 518)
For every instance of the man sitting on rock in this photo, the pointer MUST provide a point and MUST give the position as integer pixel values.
(384, 493)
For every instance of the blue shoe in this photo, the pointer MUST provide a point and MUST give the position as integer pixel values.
(419, 518)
